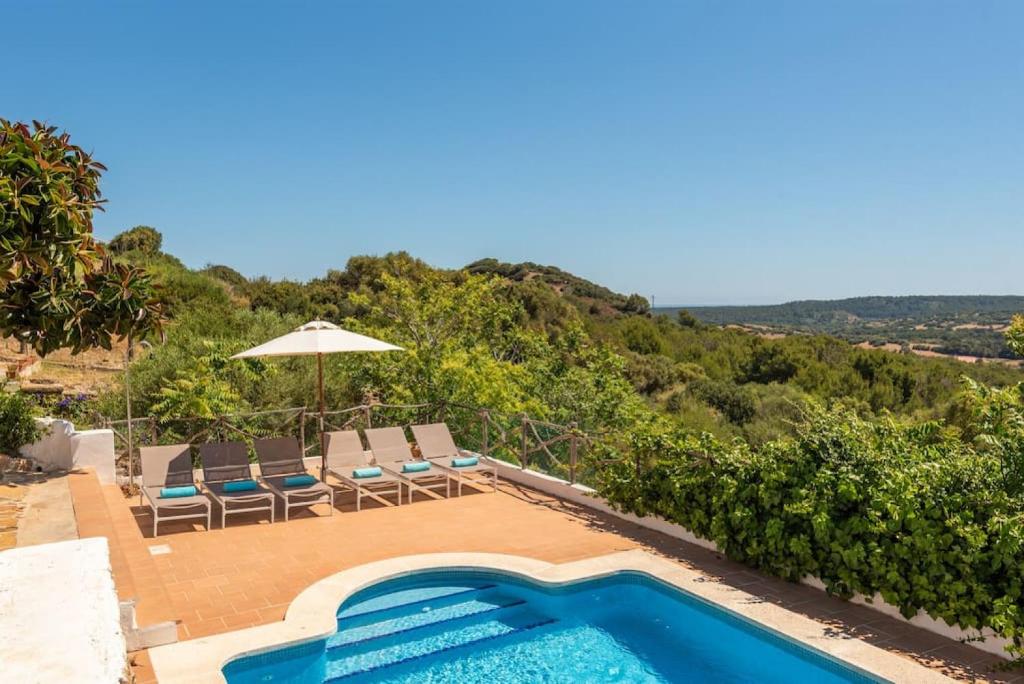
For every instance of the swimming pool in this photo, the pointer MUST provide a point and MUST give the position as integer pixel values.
(478, 626)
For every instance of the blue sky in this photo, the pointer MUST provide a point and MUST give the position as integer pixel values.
(702, 152)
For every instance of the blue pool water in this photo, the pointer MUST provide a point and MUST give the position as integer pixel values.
(462, 627)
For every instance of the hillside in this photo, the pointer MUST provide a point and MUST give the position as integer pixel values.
(969, 326)
(517, 337)
(589, 296)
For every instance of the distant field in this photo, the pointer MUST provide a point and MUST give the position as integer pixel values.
(966, 327)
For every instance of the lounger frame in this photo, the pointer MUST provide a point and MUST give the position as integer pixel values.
(225, 462)
(391, 451)
(170, 466)
(435, 443)
(345, 451)
(281, 457)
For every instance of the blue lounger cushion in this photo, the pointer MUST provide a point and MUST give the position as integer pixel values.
(417, 467)
(299, 480)
(240, 486)
(177, 492)
(465, 461)
(366, 472)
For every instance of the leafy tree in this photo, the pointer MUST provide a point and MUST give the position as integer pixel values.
(735, 402)
(1015, 335)
(641, 335)
(651, 373)
(770, 362)
(443, 322)
(205, 387)
(57, 288)
(992, 419)
(687, 319)
(196, 392)
(143, 239)
(636, 304)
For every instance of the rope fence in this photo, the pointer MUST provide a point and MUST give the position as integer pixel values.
(516, 439)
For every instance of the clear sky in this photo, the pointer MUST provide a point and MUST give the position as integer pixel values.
(702, 152)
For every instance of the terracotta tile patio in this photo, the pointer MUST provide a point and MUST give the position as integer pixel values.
(247, 574)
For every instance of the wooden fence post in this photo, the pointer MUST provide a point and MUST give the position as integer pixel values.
(525, 446)
(485, 418)
(572, 453)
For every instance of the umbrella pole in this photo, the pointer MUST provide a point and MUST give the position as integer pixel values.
(320, 394)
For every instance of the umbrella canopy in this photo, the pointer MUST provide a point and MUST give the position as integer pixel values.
(319, 338)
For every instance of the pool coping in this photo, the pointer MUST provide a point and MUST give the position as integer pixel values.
(312, 615)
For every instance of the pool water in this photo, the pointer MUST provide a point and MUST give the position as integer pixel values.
(461, 627)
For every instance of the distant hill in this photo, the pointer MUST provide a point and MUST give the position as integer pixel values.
(566, 284)
(817, 311)
(969, 325)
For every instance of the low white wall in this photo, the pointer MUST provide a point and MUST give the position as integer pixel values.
(62, 447)
(586, 496)
(53, 449)
(95, 449)
(61, 621)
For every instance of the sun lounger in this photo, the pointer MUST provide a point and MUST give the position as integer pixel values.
(345, 460)
(283, 470)
(166, 478)
(226, 473)
(437, 446)
(391, 452)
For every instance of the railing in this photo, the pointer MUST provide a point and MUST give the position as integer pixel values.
(149, 431)
(517, 439)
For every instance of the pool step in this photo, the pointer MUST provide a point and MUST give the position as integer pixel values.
(406, 650)
(429, 615)
(401, 603)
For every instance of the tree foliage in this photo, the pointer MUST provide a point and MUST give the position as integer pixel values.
(1015, 335)
(910, 512)
(144, 239)
(57, 288)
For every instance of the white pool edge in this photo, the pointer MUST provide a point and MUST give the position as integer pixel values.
(312, 615)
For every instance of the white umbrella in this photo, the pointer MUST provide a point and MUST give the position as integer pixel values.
(318, 337)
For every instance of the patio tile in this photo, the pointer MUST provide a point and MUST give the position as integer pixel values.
(247, 574)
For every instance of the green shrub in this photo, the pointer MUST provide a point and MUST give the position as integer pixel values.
(641, 336)
(650, 373)
(17, 422)
(909, 512)
(737, 403)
